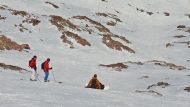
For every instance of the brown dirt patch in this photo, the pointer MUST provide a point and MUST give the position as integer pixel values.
(25, 46)
(11, 67)
(2, 18)
(117, 66)
(105, 30)
(169, 45)
(150, 91)
(138, 63)
(61, 23)
(188, 43)
(99, 26)
(6, 43)
(112, 16)
(111, 23)
(34, 22)
(65, 40)
(170, 65)
(108, 41)
(163, 84)
(167, 14)
(187, 89)
(79, 40)
(181, 26)
(55, 6)
(179, 36)
(22, 13)
(150, 13)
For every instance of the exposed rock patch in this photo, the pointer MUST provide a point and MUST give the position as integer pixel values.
(163, 84)
(179, 36)
(112, 16)
(99, 26)
(117, 66)
(55, 6)
(170, 65)
(22, 13)
(187, 89)
(115, 44)
(61, 23)
(155, 62)
(167, 14)
(11, 67)
(6, 43)
(111, 23)
(32, 20)
(181, 26)
(169, 45)
(79, 40)
(106, 33)
(2, 18)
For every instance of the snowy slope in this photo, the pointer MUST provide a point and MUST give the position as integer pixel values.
(148, 35)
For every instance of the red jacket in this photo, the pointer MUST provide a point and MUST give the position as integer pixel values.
(33, 63)
(46, 66)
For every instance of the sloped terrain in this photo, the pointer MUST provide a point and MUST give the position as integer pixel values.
(140, 49)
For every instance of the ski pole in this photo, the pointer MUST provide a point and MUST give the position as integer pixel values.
(53, 75)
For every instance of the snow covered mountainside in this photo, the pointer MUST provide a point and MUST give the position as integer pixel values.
(139, 48)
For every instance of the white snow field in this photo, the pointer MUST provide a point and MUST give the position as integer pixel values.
(148, 35)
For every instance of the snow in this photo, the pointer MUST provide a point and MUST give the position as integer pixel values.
(148, 34)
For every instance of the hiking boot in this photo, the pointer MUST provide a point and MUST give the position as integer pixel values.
(46, 80)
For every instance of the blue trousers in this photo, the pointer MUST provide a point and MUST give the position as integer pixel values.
(46, 76)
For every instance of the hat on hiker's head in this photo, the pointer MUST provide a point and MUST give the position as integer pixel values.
(95, 75)
(48, 59)
(34, 56)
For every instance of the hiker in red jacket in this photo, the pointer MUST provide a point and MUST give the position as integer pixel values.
(46, 69)
(32, 65)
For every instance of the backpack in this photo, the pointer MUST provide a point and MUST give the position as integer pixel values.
(29, 62)
(93, 85)
(42, 65)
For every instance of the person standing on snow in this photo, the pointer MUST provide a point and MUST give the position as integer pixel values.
(94, 83)
(46, 69)
(32, 64)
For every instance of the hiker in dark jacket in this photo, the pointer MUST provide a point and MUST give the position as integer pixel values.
(94, 83)
(33, 66)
